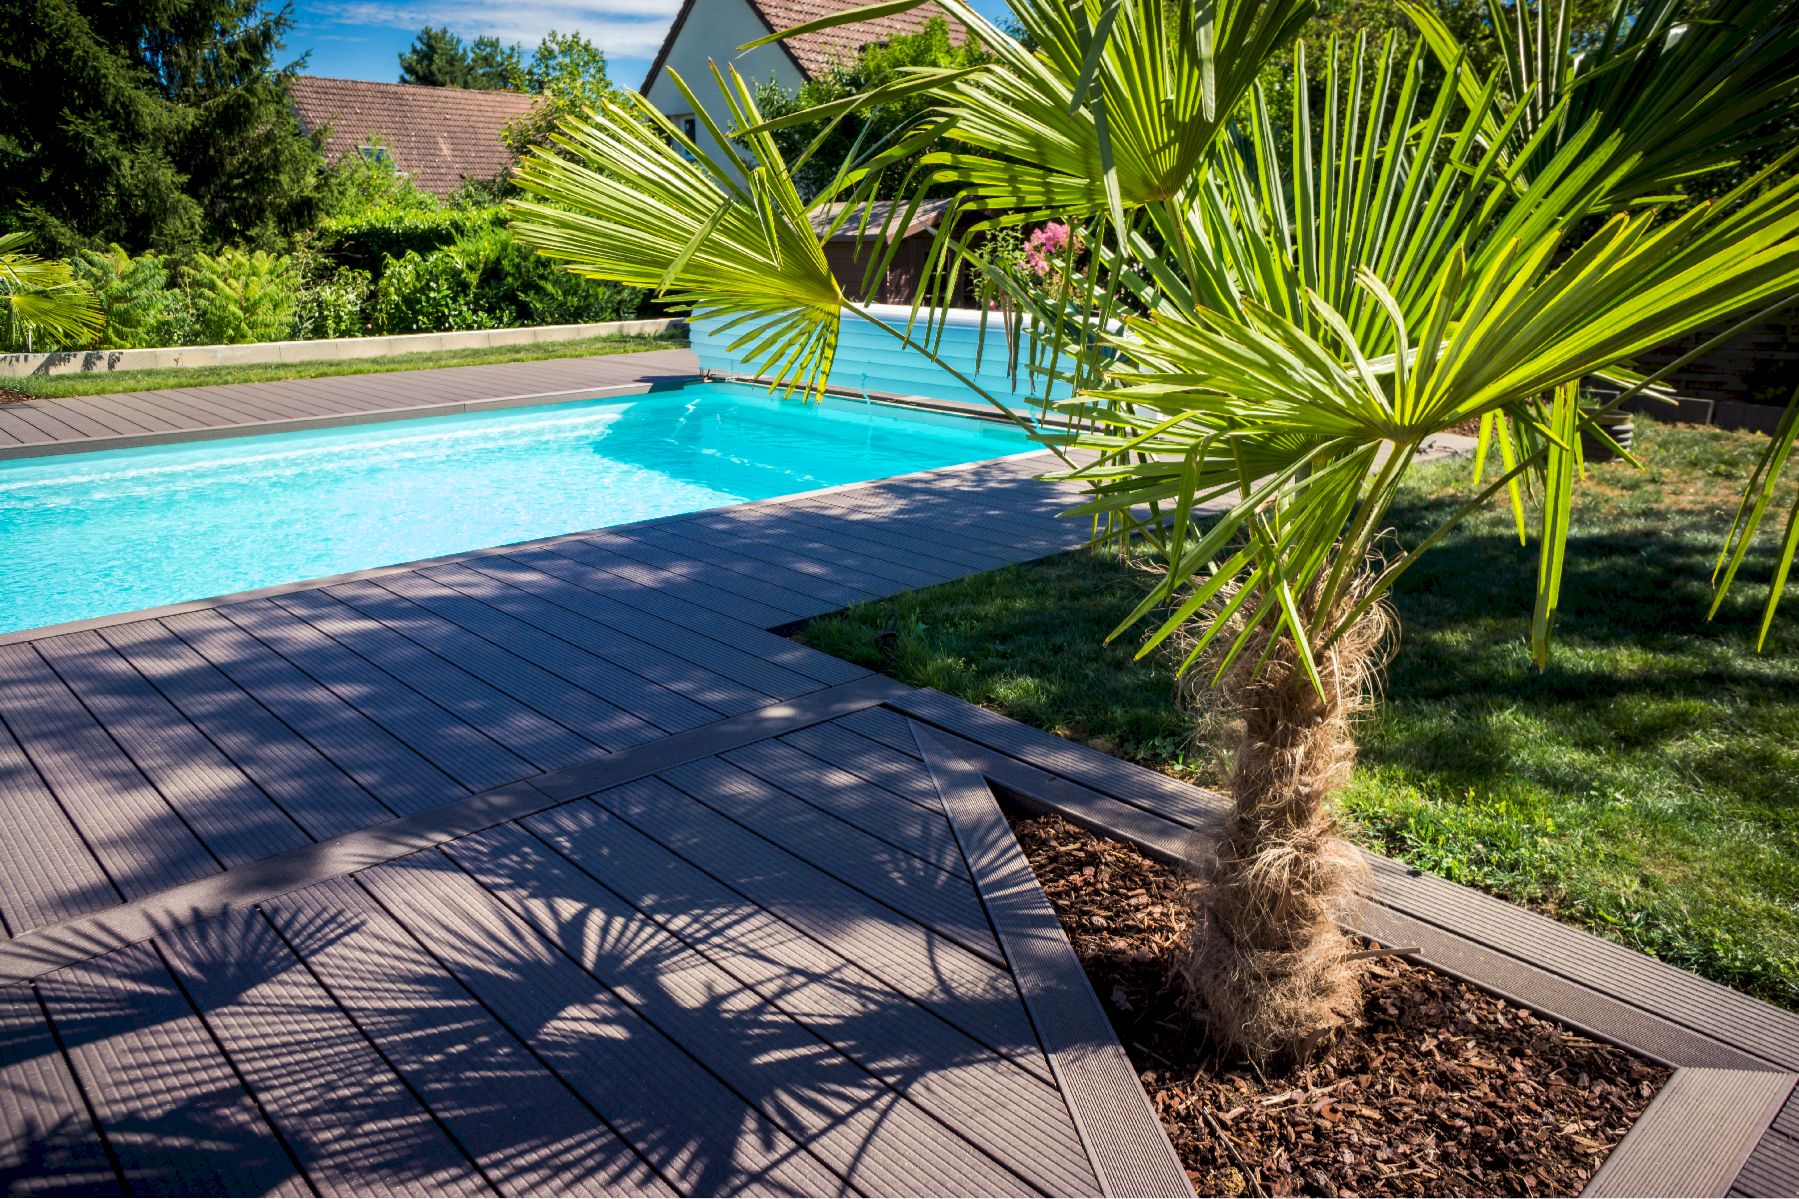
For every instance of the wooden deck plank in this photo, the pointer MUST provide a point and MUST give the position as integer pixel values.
(461, 750)
(143, 842)
(1772, 1168)
(767, 536)
(1007, 1111)
(756, 674)
(175, 1116)
(593, 718)
(524, 1128)
(696, 1133)
(698, 693)
(968, 991)
(938, 899)
(695, 584)
(224, 807)
(352, 1123)
(649, 708)
(49, 1144)
(867, 1133)
(385, 767)
(47, 870)
(855, 800)
(1694, 1136)
(616, 564)
(548, 744)
(1125, 1140)
(817, 586)
(309, 787)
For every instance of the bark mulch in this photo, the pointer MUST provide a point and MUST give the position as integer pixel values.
(12, 395)
(1443, 1090)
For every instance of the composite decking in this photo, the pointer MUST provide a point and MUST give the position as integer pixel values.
(553, 868)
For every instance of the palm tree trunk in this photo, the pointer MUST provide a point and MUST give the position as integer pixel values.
(1270, 973)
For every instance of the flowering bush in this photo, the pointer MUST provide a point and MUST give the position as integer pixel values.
(1050, 248)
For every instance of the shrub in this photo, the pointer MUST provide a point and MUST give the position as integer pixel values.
(241, 296)
(487, 280)
(141, 308)
(332, 302)
(427, 293)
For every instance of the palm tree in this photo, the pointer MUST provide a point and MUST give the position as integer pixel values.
(1279, 339)
(43, 298)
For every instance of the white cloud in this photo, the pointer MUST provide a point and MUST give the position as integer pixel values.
(621, 28)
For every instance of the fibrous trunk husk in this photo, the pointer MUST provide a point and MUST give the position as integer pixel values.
(1270, 973)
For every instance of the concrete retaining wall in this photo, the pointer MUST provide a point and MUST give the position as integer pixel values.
(71, 362)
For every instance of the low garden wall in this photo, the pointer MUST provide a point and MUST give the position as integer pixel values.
(69, 362)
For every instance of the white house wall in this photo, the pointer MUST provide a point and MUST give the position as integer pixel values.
(712, 32)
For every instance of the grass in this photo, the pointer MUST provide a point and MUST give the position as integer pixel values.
(55, 386)
(1644, 786)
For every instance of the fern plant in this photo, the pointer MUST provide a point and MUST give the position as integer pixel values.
(141, 309)
(242, 296)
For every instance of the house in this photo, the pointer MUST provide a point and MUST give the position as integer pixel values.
(439, 136)
(712, 30)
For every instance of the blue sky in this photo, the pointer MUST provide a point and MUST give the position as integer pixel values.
(362, 39)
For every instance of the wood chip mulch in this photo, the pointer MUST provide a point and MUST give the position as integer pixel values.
(1443, 1090)
(12, 395)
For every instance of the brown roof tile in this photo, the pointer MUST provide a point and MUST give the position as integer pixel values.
(440, 136)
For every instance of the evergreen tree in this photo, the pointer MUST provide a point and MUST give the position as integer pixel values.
(158, 123)
(437, 59)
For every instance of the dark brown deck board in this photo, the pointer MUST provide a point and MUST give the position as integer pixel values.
(675, 1113)
(351, 1121)
(546, 743)
(142, 841)
(938, 899)
(461, 750)
(1772, 1167)
(523, 1127)
(966, 990)
(309, 787)
(593, 717)
(864, 1131)
(50, 873)
(1124, 1138)
(175, 1114)
(1695, 1135)
(49, 1144)
(223, 806)
(646, 709)
(388, 769)
(987, 1099)
(682, 690)
(757, 674)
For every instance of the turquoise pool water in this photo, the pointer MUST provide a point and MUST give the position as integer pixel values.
(87, 535)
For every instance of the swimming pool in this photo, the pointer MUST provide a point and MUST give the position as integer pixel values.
(92, 534)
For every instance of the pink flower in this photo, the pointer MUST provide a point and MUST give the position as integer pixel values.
(1045, 243)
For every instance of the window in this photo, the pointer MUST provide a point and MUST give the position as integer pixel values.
(689, 127)
(377, 155)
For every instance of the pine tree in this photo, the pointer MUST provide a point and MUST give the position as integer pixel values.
(152, 123)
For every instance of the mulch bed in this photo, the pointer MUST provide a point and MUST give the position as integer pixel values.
(1443, 1090)
(12, 395)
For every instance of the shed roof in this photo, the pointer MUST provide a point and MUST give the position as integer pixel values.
(440, 136)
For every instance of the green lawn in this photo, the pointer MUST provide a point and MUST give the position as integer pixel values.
(1646, 785)
(52, 386)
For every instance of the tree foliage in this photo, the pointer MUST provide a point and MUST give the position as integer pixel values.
(877, 65)
(438, 58)
(150, 123)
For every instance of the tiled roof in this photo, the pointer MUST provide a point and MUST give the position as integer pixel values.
(812, 53)
(438, 135)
